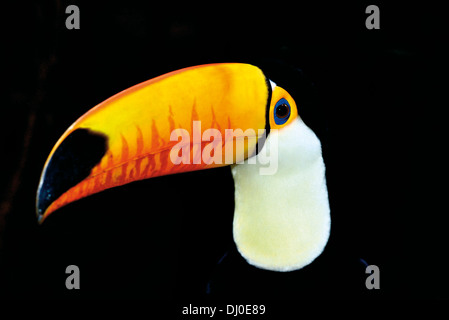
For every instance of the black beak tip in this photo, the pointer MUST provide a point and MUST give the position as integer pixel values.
(71, 162)
(40, 208)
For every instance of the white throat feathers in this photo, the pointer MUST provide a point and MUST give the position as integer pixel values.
(282, 221)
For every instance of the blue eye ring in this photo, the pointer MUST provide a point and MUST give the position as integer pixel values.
(281, 112)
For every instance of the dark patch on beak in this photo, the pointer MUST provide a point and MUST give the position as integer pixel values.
(71, 163)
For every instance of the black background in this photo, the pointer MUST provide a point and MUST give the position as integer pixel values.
(378, 106)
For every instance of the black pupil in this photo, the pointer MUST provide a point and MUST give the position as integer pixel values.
(282, 110)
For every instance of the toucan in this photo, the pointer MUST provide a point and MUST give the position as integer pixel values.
(281, 219)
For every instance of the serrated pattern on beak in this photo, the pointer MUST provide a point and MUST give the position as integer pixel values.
(123, 168)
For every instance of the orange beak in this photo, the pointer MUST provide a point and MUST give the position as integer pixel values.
(134, 135)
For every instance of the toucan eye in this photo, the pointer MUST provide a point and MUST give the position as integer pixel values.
(281, 111)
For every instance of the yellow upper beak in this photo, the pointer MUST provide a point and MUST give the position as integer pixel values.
(127, 137)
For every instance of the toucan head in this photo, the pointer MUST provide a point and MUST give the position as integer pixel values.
(198, 118)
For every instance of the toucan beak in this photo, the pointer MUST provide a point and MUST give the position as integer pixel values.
(137, 133)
